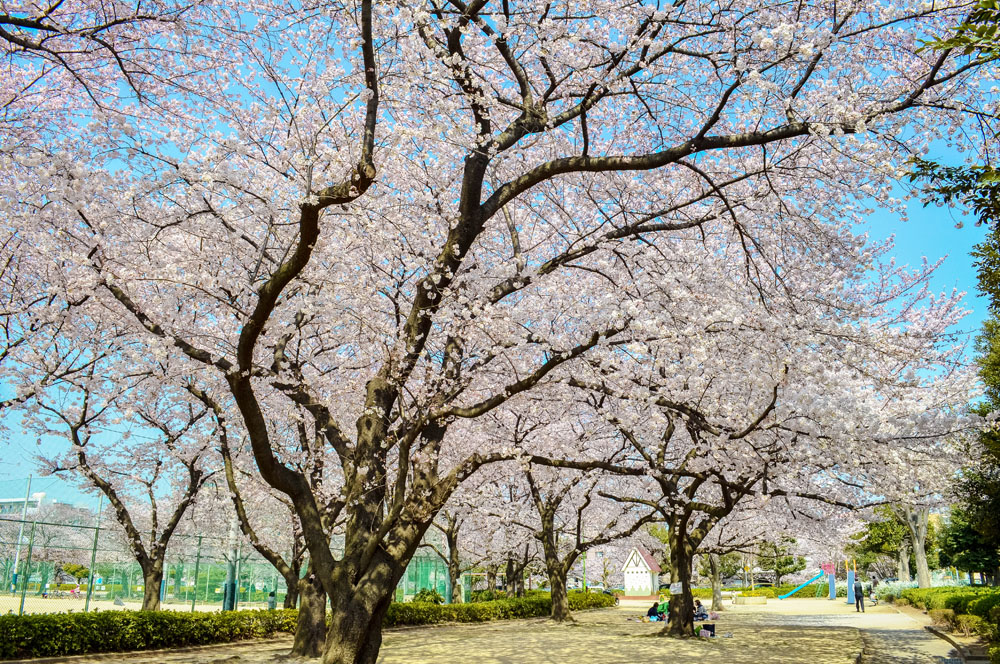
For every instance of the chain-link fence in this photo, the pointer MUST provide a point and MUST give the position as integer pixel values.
(52, 567)
(57, 557)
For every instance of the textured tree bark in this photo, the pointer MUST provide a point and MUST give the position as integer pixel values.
(291, 592)
(310, 627)
(455, 579)
(680, 619)
(903, 564)
(713, 564)
(152, 577)
(355, 634)
(509, 576)
(491, 578)
(560, 598)
(916, 520)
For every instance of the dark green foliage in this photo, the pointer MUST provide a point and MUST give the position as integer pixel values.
(50, 635)
(78, 572)
(979, 34)
(977, 187)
(775, 557)
(965, 610)
(879, 541)
(964, 546)
(533, 606)
(960, 599)
(429, 596)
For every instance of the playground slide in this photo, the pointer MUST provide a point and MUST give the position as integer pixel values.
(815, 578)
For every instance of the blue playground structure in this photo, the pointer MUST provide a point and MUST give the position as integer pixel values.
(815, 578)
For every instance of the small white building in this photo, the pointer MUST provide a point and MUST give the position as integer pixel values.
(641, 574)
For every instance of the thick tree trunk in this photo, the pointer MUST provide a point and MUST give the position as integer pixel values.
(916, 519)
(291, 591)
(713, 564)
(903, 563)
(455, 580)
(152, 577)
(310, 628)
(923, 571)
(560, 598)
(355, 634)
(491, 578)
(680, 619)
(509, 576)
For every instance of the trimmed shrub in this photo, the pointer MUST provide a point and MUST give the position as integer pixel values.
(583, 601)
(968, 624)
(533, 606)
(942, 617)
(58, 634)
(760, 592)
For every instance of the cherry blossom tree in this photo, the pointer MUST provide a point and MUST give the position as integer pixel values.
(133, 438)
(398, 219)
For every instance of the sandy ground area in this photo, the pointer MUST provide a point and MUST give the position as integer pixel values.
(35, 604)
(782, 632)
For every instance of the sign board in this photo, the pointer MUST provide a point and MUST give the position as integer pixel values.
(676, 588)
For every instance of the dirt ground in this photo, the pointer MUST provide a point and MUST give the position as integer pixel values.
(35, 604)
(796, 630)
(781, 632)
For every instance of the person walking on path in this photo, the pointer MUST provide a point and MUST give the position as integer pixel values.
(859, 596)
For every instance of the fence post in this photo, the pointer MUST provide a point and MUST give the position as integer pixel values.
(236, 585)
(20, 534)
(93, 554)
(197, 564)
(27, 566)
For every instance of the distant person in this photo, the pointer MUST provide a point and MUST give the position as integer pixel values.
(699, 611)
(859, 596)
(654, 611)
(272, 601)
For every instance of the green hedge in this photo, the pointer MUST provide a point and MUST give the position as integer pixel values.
(962, 609)
(812, 590)
(57, 634)
(960, 599)
(532, 606)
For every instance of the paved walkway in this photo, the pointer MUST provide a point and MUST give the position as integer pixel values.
(889, 636)
(811, 631)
